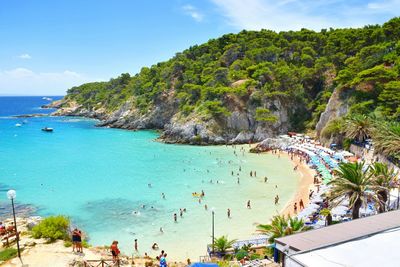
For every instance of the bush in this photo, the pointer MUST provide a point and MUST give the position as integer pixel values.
(255, 256)
(67, 243)
(52, 228)
(8, 253)
(241, 254)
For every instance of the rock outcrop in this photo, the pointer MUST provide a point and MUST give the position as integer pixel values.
(240, 126)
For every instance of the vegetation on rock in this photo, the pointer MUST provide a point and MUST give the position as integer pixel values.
(302, 67)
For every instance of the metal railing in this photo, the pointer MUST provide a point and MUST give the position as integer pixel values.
(101, 263)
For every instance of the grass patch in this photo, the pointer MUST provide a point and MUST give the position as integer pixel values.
(8, 254)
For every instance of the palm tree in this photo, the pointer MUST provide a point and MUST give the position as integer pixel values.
(384, 179)
(328, 216)
(282, 226)
(358, 127)
(222, 244)
(386, 138)
(354, 182)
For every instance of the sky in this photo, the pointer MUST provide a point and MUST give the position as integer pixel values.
(48, 46)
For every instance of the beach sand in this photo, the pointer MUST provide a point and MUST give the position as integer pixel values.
(306, 183)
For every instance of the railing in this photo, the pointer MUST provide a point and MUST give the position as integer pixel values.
(100, 263)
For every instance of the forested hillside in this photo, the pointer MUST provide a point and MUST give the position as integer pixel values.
(251, 82)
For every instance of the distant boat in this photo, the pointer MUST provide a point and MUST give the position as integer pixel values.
(47, 129)
(18, 125)
(47, 98)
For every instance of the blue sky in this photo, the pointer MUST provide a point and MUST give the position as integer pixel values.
(48, 46)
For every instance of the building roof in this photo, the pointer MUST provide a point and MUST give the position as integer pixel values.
(342, 232)
(362, 252)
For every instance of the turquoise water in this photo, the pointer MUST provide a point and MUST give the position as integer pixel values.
(99, 177)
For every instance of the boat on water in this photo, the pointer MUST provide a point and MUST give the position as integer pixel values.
(47, 129)
(47, 98)
(18, 125)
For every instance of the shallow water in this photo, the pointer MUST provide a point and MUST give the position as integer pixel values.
(99, 177)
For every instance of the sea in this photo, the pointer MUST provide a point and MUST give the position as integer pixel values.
(111, 182)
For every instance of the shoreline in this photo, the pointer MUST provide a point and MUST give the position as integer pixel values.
(305, 183)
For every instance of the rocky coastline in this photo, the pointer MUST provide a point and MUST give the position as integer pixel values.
(239, 127)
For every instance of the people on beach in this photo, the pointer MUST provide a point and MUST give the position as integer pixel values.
(136, 245)
(265, 179)
(154, 246)
(248, 204)
(115, 251)
(251, 173)
(163, 260)
(175, 217)
(181, 213)
(301, 204)
(75, 238)
(295, 208)
(163, 195)
(229, 213)
(238, 180)
(161, 230)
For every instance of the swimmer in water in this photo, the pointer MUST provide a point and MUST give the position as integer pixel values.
(175, 217)
(161, 230)
(248, 204)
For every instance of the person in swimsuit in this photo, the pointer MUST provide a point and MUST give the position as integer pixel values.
(115, 251)
(79, 247)
(136, 245)
(74, 239)
(163, 260)
(248, 204)
(229, 213)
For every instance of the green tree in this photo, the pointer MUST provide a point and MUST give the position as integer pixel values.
(352, 181)
(280, 226)
(384, 180)
(222, 244)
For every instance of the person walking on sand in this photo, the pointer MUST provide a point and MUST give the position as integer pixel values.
(229, 213)
(301, 204)
(136, 245)
(115, 251)
(175, 217)
(248, 204)
(295, 208)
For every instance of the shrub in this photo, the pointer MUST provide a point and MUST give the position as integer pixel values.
(7, 254)
(255, 256)
(67, 243)
(241, 254)
(52, 228)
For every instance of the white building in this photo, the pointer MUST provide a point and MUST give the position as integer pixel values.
(371, 241)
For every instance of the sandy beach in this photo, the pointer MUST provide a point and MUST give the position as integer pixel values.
(305, 184)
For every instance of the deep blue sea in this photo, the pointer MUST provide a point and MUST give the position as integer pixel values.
(99, 178)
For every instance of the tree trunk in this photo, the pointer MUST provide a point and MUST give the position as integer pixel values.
(382, 195)
(356, 209)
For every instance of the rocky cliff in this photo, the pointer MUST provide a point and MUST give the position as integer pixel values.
(240, 126)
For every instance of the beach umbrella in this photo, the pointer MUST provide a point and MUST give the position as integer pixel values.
(339, 210)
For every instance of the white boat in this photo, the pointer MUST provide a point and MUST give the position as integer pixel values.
(47, 98)
(18, 125)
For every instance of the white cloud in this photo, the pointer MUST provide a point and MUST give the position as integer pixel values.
(281, 15)
(193, 12)
(25, 56)
(386, 6)
(22, 81)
